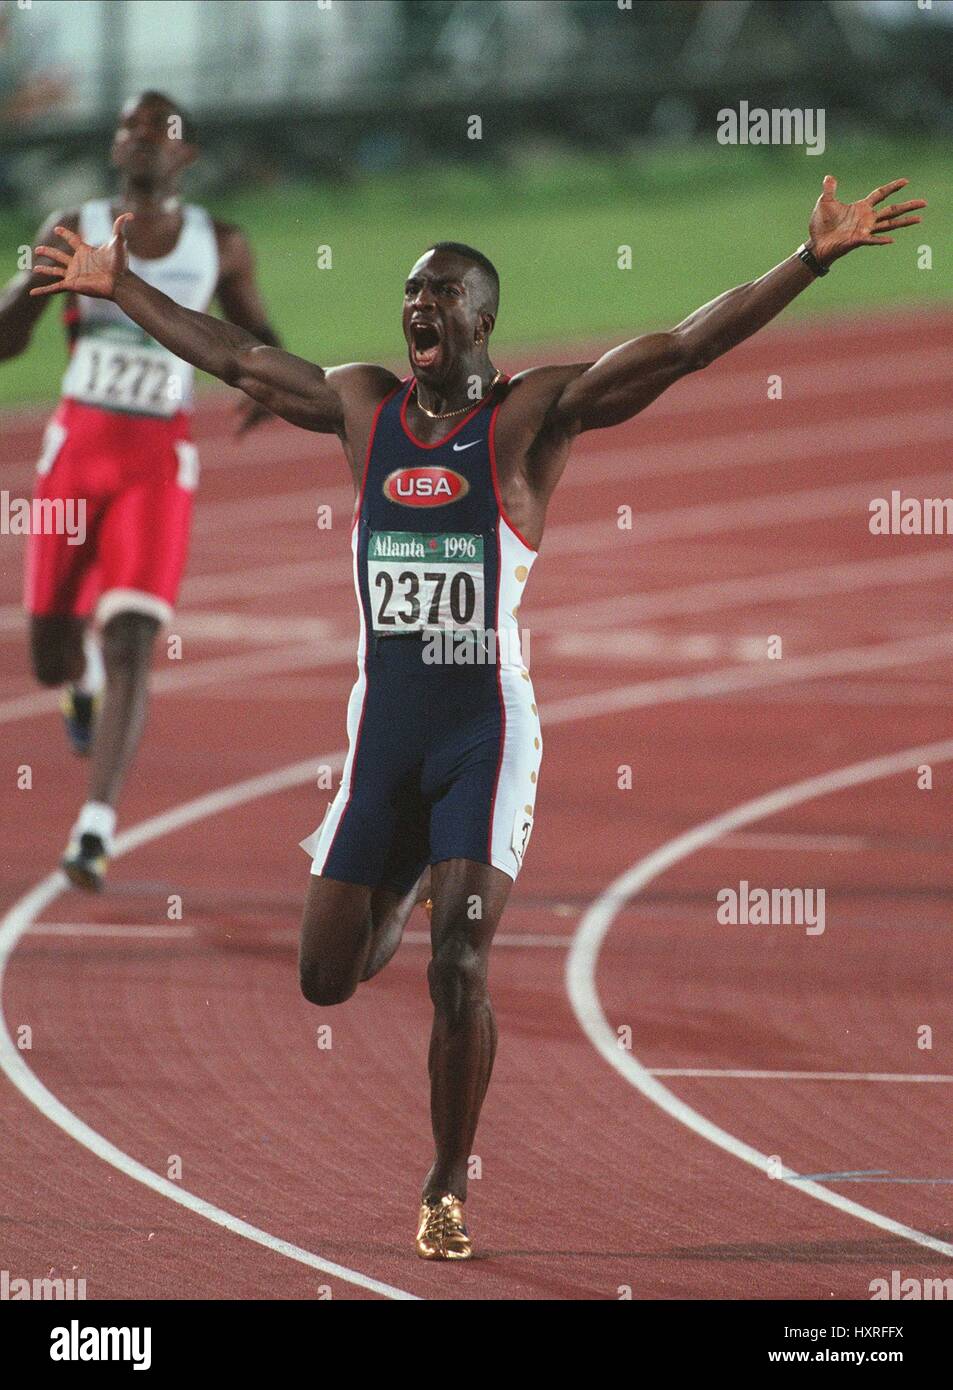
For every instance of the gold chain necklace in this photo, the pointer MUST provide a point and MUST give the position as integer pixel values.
(449, 414)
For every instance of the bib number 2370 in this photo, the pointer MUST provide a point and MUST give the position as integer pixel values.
(419, 582)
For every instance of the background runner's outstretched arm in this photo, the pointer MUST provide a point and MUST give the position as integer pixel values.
(296, 389)
(627, 379)
(241, 303)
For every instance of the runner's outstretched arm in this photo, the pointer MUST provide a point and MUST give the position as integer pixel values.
(630, 377)
(296, 389)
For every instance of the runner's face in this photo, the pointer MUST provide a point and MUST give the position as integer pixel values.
(441, 314)
(148, 146)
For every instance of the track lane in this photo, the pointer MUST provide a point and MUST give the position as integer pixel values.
(715, 1237)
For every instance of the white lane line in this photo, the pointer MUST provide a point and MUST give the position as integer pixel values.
(701, 519)
(19, 920)
(582, 962)
(338, 651)
(734, 679)
(751, 1074)
(723, 450)
(713, 595)
(775, 445)
(631, 464)
(850, 576)
(735, 385)
(824, 844)
(521, 940)
(244, 665)
(717, 518)
(134, 931)
(648, 646)
(122, 930)
(870, 1177)
(279, 578)
(803, 383)
(560, 619)
(222, 519)
(665, 690)
(213, 626)
(816, 581)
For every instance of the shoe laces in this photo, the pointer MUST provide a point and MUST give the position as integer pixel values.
(443, 1222)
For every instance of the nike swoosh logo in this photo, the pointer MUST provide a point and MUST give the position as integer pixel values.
(458, 448)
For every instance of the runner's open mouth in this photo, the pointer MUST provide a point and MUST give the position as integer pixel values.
(424, 344)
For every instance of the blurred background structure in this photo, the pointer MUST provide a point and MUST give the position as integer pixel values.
(336, 87)
(356, 117)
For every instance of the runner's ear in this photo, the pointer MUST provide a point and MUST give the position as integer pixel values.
(188, 154)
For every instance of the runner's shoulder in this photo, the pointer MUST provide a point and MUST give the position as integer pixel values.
(361, 383)
(234, 248)
(360, 387)
(529, 397)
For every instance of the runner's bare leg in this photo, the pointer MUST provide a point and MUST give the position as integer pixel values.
(468, 901)
(128, 640)
(348, 934)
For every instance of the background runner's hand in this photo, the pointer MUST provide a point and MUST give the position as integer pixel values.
(91, 270)
(837, 228)
(248, 414)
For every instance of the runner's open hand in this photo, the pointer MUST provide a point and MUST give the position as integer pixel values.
(837, 228)
(91, 270)
(248, 414)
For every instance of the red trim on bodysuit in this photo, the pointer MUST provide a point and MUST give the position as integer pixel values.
(370, 444)
(494, 474)
(437, 443)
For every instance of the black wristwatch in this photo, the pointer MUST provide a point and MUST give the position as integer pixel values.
(810, 260)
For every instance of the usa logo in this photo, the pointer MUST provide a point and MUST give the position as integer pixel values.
(425, 487)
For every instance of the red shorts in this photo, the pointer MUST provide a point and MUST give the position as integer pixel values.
(136, 477)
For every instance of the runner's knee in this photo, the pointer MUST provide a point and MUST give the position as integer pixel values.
(127, 641)
(457, 976)
(326, 977)
(50, 667)
(55, 657)
(323, 985)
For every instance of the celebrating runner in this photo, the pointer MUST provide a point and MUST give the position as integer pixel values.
(453, 470)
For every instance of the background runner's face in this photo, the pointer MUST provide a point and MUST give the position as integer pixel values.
(147, 146)
(441, 314)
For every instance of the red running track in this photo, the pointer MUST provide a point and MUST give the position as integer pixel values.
(650, 651)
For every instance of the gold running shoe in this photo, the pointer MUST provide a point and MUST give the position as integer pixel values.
(442, 1233)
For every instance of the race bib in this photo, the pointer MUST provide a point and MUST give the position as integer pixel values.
(421, 582)
(126, 374)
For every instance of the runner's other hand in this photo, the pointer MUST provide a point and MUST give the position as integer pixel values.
(248, 414)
